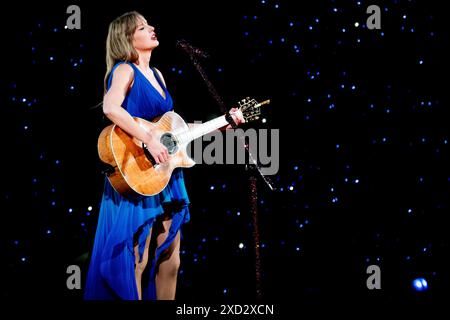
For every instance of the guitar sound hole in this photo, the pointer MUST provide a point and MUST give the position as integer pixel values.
(168, 140)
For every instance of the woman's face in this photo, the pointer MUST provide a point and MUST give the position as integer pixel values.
(144, 37)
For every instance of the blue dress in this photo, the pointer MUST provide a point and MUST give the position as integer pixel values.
(121, 221)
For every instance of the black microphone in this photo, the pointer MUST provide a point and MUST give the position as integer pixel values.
(183, 44)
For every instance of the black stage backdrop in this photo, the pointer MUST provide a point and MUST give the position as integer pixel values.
(364, 155)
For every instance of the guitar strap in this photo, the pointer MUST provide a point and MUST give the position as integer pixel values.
(230, 120)
(158, 78)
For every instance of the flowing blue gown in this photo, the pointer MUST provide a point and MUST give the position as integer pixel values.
(121, 221)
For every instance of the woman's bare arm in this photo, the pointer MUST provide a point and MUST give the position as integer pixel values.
(112, 108)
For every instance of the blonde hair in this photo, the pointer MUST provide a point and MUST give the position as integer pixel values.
(119, 43)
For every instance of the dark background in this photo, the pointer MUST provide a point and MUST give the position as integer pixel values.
(379, 150)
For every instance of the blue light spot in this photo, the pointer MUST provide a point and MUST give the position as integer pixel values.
(420, 284)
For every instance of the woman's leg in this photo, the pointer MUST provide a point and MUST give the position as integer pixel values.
(167, 265)
(141, 264)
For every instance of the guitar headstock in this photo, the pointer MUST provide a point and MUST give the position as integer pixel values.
(251, 109)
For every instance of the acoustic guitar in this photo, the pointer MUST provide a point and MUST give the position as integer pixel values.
(131, 169)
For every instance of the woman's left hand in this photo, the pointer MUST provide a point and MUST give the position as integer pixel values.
(237, 116)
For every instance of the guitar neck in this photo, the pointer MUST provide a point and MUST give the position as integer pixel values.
(202, 129)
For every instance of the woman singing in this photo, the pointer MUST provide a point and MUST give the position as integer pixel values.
(126, 227)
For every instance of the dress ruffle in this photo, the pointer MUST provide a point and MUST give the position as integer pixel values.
(111, 273)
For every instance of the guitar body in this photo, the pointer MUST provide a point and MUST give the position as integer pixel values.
(132, 171)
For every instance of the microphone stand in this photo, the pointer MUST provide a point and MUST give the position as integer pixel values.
(253, 169)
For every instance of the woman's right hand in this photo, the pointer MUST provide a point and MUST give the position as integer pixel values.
(158, 151)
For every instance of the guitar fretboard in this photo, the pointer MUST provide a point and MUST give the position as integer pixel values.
(201, 129)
